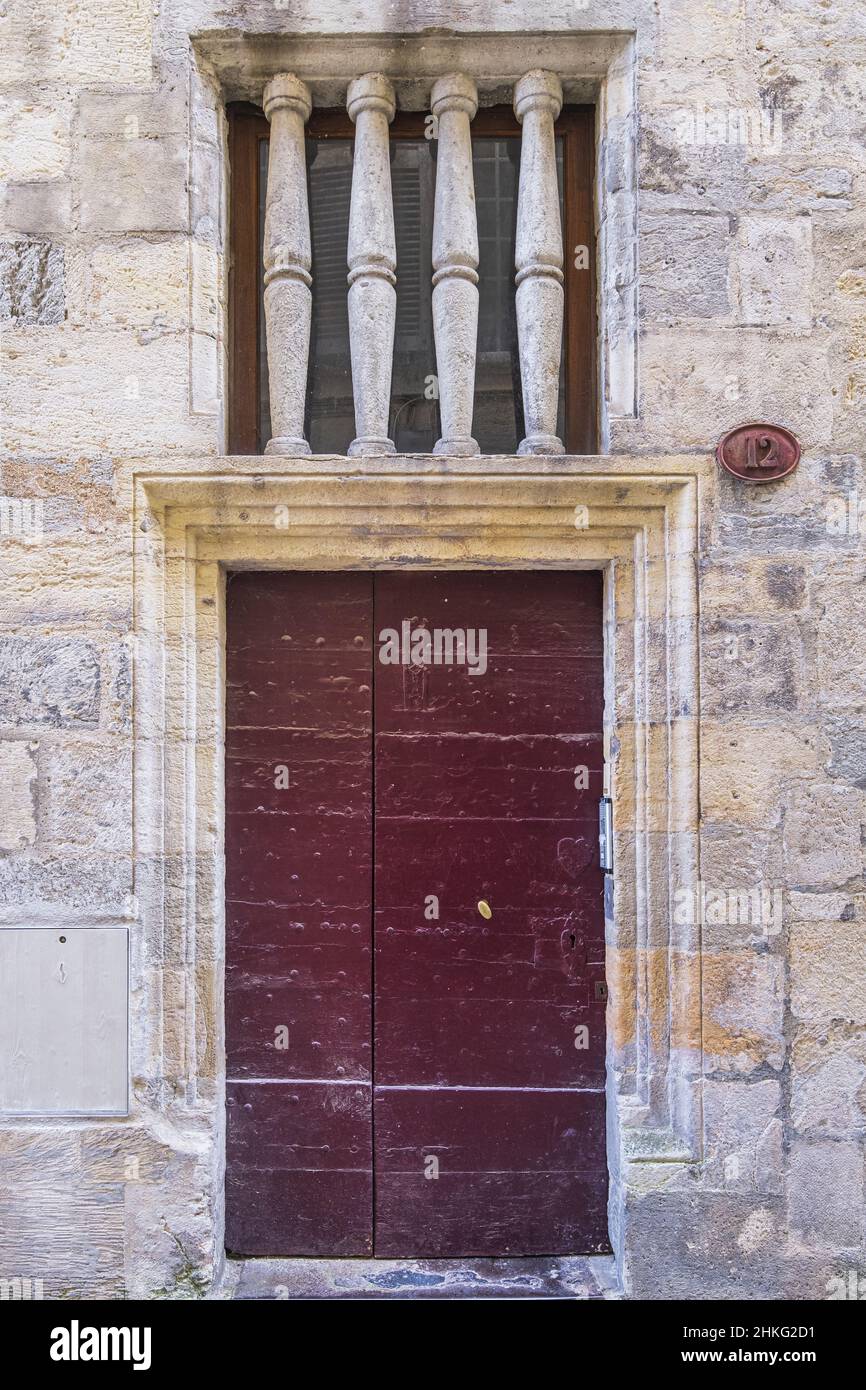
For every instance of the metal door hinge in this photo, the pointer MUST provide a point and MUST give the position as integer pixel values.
(605, 834)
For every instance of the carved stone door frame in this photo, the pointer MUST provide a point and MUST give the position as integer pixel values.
(637, 520)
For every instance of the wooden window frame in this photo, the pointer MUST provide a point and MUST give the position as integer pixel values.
(247, 125)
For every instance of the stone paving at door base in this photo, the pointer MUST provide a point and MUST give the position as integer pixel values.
(545, 1277)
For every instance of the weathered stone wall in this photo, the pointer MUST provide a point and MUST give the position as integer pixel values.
(752, 305)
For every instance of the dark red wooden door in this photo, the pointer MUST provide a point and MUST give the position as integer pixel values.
(489, 1027)
(489, 1113)
(298, 913)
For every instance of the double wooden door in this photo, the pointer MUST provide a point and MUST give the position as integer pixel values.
(415, 991)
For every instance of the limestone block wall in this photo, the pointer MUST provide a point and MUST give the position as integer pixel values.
(748, 262)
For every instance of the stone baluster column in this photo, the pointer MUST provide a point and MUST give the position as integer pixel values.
(372, 257)
(287, 258)
(539, 261)
(454, 102)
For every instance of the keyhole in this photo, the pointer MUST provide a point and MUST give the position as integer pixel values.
(571, 938)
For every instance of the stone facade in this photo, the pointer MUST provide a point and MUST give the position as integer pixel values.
(732, 187)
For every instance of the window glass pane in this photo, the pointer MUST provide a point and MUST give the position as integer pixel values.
(330, 413)
(414, 416)
(414, 419)
(329, 422)
(498, 423)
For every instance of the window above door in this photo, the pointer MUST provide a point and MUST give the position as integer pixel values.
(416, 159)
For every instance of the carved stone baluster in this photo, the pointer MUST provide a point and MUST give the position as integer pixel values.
(287, 259)
(372, 257)
(539, 261)
(454, 102)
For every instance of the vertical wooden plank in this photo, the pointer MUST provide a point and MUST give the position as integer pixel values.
(489, 1027)
(581, 330)
(246, 127)
(298, 907)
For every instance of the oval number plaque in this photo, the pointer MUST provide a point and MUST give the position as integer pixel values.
(759, 453)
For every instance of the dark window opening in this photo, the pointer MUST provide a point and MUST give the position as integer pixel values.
(414, 415)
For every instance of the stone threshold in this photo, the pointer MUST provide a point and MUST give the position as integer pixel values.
(582, 1277)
